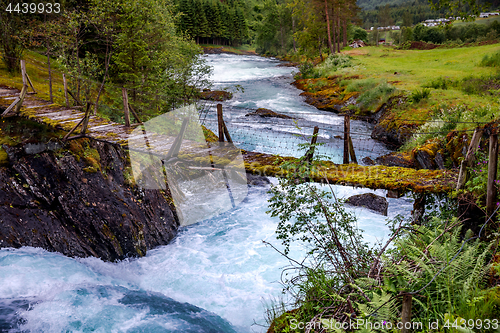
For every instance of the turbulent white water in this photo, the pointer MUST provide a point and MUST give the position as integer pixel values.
(215, 276)
(267, 86)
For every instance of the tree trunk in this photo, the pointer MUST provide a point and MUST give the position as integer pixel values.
(293, 35)
(344, 32)
(328, 28)
(108, 59)
(50, 73)
(334, 31)
(338, 29)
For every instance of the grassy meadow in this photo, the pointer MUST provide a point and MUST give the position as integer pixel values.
(453, 78)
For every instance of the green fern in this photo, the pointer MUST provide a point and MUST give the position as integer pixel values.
(456, 289)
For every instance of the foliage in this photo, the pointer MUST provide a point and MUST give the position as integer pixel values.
(419, 95)
(439, 83)
(274, 33)
(373, 93)
(212, 21)
(445, 274)
(11, 30)
(128, 44)
(333, 63)
(313, 216)
(486, 85)
(358, 33)
(307, 70)
(492, 60)
(444, 288)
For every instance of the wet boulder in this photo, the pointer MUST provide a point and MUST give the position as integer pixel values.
(266, 113)
(257, 180)
(371, 201)
(215, 95)
(396, 159)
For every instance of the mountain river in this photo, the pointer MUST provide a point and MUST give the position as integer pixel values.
(216, 275)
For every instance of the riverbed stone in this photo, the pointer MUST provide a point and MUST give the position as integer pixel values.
(266, 113)
(371, 201)
(257, 180)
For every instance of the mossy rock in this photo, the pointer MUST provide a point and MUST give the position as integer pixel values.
(216, 95)
(266, 113)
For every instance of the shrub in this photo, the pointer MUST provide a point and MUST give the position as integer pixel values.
(439, 83)
(419, 95)
(333, 63)
(359, 33)
(491, 60)
(376, 96)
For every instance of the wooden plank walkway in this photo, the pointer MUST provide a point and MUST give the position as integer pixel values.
(377, 177)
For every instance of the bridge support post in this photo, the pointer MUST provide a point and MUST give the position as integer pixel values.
(314, 139)
(491, 191)
(347, 134)
(66, 90)
(125, 107)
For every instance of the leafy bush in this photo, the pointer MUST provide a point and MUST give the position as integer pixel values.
(357, 33)
(439, 83)
(376, 96)
(333, 63)
(491, 61)
(487, 85)
(306, 69)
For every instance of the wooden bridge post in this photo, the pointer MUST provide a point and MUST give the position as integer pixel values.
(347, 134)
(66, 90)
(469, 158)
(220, 121)
(23, 73)
(125, 107)
(24, 90)
(310, 152)
(86, 119)
(491, 191)
(352, 152)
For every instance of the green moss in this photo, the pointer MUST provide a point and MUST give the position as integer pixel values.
(376, 177)
(4, 158)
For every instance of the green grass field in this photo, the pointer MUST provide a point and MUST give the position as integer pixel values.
(410, 70)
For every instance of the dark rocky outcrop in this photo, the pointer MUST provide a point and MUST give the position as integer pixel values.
(368, 161)
(371, 201)
(56, 201)
(396, 159)
(257, 180)
(266, 113)
(216, 95)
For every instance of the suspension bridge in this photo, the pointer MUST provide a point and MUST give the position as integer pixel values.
(79, 121)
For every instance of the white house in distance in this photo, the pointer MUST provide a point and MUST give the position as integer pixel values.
(486, 15)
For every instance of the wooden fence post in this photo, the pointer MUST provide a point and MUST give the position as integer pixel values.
(66, 90)
(86, 119)
(23, 73)
(220, 120)
(491, 191)
(406, 314)
(125, 107)
(310, 152)
(469, 158)
(134, 113)
(176, 146)
(352, 152)
(347, 134)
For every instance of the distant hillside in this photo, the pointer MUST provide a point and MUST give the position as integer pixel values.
(373, 4)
